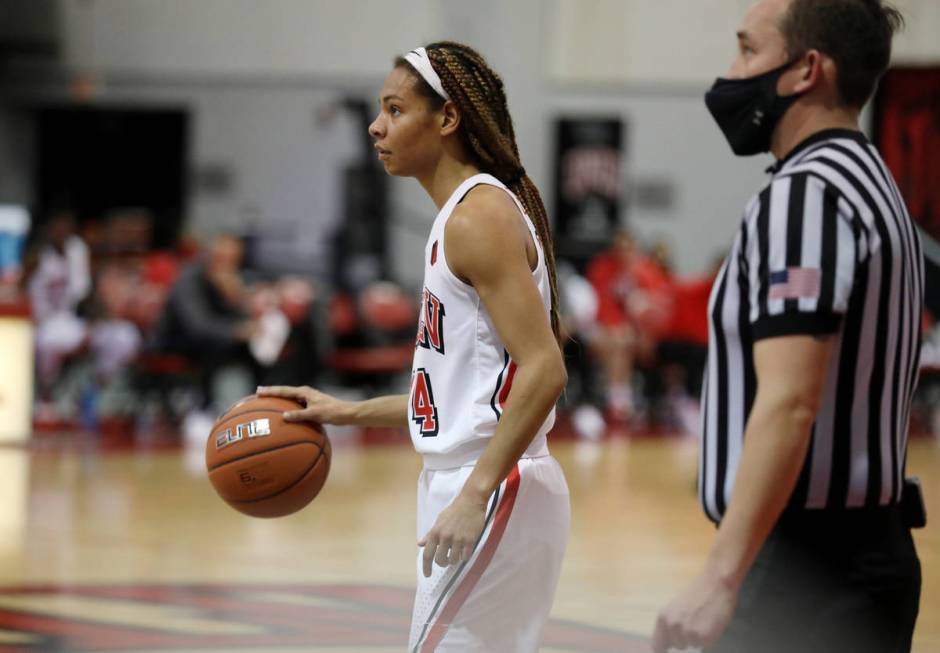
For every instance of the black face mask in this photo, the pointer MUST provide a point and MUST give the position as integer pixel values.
(747, 110)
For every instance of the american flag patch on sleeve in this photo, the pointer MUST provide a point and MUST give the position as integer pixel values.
(794, 283)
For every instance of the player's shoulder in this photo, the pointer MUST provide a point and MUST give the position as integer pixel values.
(487, 206)
(484, 232)
(487, 213)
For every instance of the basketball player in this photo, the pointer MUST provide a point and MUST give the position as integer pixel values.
(493, 509)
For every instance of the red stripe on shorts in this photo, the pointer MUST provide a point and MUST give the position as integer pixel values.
(457, 599)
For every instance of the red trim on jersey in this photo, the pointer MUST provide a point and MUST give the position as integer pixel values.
(504, 393)
(457, 599)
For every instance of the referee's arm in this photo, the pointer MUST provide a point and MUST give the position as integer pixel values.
(791, 372)
(791, 359)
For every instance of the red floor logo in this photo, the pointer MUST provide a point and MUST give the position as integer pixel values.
(267, 617)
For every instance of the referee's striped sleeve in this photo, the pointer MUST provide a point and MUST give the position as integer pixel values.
(802, 254)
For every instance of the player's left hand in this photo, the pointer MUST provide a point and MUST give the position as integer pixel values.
(696, 618)
(454, 535)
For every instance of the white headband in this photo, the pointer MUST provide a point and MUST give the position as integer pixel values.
(418, 58)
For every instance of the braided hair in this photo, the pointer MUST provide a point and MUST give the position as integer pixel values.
(487, 133)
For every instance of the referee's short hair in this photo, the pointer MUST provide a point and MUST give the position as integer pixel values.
(855, 33)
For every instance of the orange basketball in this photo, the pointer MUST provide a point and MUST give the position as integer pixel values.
(260, 464)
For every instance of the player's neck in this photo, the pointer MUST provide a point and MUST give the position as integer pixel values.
(799, 123)
(441, 182)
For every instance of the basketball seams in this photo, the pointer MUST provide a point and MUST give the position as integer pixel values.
(256, 453)
(228, 417)
(254, 399)
(282, 490)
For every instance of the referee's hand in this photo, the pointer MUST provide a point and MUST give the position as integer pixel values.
(697, 617)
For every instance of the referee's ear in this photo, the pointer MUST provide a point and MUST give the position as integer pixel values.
(815, 68)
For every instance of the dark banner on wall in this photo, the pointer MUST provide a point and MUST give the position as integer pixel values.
(588, 184)
(907, 132)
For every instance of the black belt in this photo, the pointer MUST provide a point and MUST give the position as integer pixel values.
(910, 509)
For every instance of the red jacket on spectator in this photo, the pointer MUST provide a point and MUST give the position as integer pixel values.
(637, 293)
(689, 321)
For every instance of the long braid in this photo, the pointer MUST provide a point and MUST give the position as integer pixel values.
(487, 130)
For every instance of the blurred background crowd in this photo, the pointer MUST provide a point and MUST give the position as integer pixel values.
(191, 207)
(133, 337)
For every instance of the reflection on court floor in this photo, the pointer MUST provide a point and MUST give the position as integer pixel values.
(131, 549)
(271, 618)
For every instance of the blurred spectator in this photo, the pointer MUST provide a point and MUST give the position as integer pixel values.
(217, 331)
(115, 338)
(205, 317)
(660, 255)
(75, 323)
(681, 353)
(633, 295)
(578, 304)
(58, 279)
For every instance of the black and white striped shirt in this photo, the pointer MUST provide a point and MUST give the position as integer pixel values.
(827, 247)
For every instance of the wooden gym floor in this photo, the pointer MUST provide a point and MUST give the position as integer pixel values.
(131, 550)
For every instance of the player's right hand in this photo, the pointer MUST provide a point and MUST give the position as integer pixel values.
(318, 406)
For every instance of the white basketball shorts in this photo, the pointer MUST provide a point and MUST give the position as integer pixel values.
(499, 600)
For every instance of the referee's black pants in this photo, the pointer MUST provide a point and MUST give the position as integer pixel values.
(830, 581)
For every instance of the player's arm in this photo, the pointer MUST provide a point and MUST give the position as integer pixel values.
(389, 410)
(791, 374)
(485, 240)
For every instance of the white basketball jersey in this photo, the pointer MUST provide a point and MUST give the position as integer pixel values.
(61, 280)
(462, 373)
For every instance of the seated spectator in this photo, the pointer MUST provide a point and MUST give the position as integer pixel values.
(226, 330)
(205, 316)
(681, 353)
(74, 321)
(115, 338)
(578, 312)
(58, 278)
(632, 295)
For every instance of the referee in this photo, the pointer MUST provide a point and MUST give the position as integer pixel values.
(814, 341)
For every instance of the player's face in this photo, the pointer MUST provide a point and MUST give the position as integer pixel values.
(761, 46)
(406, 131)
